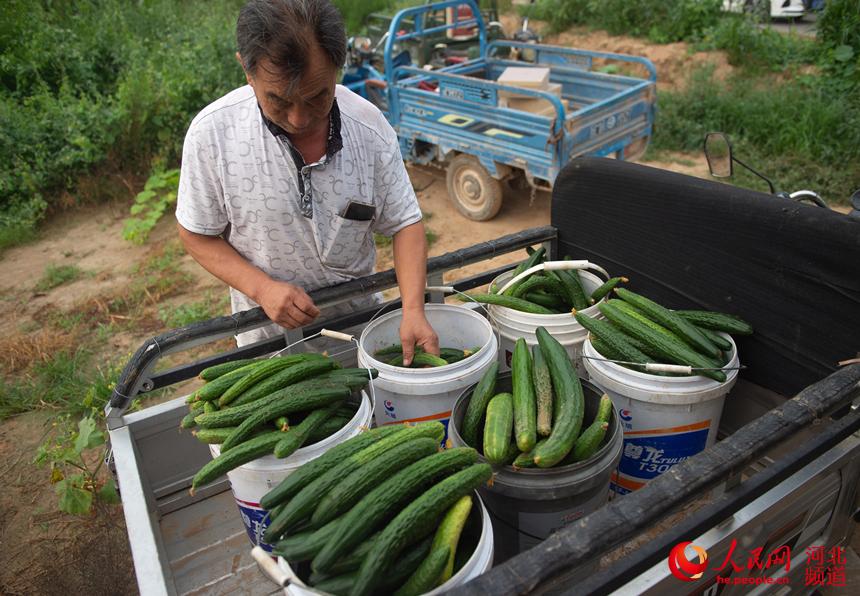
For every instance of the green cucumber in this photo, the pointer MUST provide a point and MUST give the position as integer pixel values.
(718, 340)
(448, 534)
(525, 406)
(209, 407)
(234, 415)
(293, 483)
(498, 427)
(213, 389)
(573, 285)
(417, 520)
(420, 359)
(290, 375)
(527, 460)
(397, 573)
(427, 576)
(481, 395)
(603, 291)
(589, 441)
(193, 411)
(328, 428)
(717, 321)
(282, 423)
(338, 585)
(304, 545)
(534, 258)
(614, 338)
(297, 436)
(353, 561)
(543, 392)
(542, 282)
(671, 321)
(637, 343)
(387, 499)
(213, 372)
(674, 352)
(349, 490)
(569, 402)
(213, 435)
(238, 455)
(509, 302)
(263, 370)
(550, 301)
(302, 505)
(289, 405)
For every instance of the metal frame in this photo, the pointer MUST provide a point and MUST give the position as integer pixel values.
(154, 464)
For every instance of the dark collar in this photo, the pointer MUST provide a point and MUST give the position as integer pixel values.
(334, 143)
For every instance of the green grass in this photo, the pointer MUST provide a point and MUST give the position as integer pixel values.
(185, 314)
(57, 275)
(802, 134)
(60, 383)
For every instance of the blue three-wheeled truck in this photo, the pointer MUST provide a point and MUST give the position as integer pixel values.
(460, 115)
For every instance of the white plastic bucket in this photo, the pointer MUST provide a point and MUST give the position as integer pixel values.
(480, 561)
(514, 324)
(254, 479)
(665, 419)
(422, 394)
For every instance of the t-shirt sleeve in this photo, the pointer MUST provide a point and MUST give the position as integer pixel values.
(200, 204)
(391, 187)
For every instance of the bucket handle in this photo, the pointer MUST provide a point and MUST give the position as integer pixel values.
(554, 266)
(274, 572)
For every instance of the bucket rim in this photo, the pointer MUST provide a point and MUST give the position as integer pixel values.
(491, 345)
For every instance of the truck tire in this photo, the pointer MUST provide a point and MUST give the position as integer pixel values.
(475, 193)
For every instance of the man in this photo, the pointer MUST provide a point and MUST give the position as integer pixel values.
(285, 180)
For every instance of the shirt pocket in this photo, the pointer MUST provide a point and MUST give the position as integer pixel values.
(345, 241)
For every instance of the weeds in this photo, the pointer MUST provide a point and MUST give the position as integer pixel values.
(185, 314)
(796, 134)
(57, 275)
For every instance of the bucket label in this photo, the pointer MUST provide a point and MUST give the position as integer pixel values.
(256, 520)
(649, 453)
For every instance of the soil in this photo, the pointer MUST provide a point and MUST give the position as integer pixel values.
(43, 551)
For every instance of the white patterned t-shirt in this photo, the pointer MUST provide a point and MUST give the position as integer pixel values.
(241, 179)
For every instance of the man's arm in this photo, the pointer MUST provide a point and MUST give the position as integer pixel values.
(410, 264)
(286, 304)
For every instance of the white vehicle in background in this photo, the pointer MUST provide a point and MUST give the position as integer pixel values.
(779, 9)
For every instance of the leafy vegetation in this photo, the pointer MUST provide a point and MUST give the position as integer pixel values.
(57, 275)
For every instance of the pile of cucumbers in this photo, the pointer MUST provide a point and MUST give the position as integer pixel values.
(393, 355)
(540, 423)
(380, 513)
(546, 292)
(253, 408)
(639, 331)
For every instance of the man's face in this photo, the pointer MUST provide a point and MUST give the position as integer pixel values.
(300, 109)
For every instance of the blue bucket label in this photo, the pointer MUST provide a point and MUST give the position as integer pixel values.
(256, 520)
(649, 453)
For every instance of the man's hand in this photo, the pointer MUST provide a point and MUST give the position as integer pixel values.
(287, 305)
(416, 331)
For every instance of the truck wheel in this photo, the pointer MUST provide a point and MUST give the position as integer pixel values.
(475, 193)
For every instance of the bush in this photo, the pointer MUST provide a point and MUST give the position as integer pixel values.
(806, 134)
(747, 45)
(839, 34)
(660, 20)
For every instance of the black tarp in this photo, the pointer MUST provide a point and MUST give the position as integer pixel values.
(792, 270)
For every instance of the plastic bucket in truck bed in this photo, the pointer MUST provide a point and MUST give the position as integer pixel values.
(477, 534)
(665, 419)
(254, 479)
(421, 394)
(529, 504)
(514, 324)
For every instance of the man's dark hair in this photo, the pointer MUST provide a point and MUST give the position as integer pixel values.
(284, 30)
